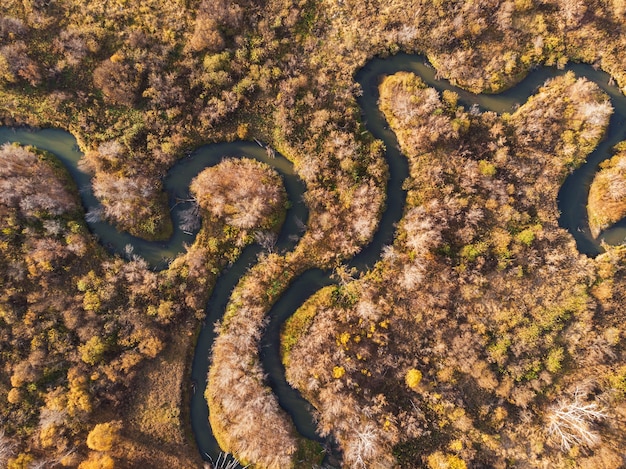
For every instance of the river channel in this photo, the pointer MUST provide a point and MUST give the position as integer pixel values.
(572, 202)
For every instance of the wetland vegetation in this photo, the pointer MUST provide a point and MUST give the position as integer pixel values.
(606, 194)
(480, 337)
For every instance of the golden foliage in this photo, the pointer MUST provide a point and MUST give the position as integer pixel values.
(104, 436)
(286, 75)
(467, 256)
(413, 378)
(98, 461)
(439, 460)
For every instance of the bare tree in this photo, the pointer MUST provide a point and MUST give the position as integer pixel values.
(224, 461)
(40, 464)
(266, 239)
(345, 275)
(190, 219)
(18, 64)
(49, 417)
(11, 27)
(94, 214)
(570, 422)
(361, 452)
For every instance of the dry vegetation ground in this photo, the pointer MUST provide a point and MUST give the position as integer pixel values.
(461, 345)
(481, 292)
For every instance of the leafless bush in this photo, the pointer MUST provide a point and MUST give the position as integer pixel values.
(190, 219)
(94, 214)
(244, 192)
(7, 448)
(49, 417)
(20, 65)
(11, 27)
(73, 45)
(40, 464)
(30, 184)
(266, 239)
(363, 447)
(225, 461)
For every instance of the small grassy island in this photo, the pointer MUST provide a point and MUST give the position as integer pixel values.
(607, 194)
(476, 334)
(245, 193)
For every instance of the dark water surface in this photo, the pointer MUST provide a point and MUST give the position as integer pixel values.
(572, 201)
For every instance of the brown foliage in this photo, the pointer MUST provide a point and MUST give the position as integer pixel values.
(67, 355)
(206, 36)
(607, 194)
(30, 185)
(243, 192)
(288, 72)
(467, 294)
(124, 198)
(118, 81)
(15, 64)
(245, 416)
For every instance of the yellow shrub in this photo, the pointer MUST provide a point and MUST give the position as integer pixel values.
(103, 436)
(439, 460)
(98, 461)
(338, 372)
(413, 378)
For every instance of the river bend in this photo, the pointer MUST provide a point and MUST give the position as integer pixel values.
(572, 201)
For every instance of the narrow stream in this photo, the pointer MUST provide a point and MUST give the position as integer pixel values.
(158, 254)
(571, 201)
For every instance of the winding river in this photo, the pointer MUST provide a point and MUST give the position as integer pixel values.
(572, 204)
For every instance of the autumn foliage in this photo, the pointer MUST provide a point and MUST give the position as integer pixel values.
(242, 192)
(514, 334)
(607, 194)
(442, 344)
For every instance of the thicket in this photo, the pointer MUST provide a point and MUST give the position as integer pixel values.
(245, 416)
(244, 193)
(140, 84)
(150, 80)
(461, 346)
(76, 325)
(70, 358)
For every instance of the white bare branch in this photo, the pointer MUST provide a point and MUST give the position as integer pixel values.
(571, 422)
